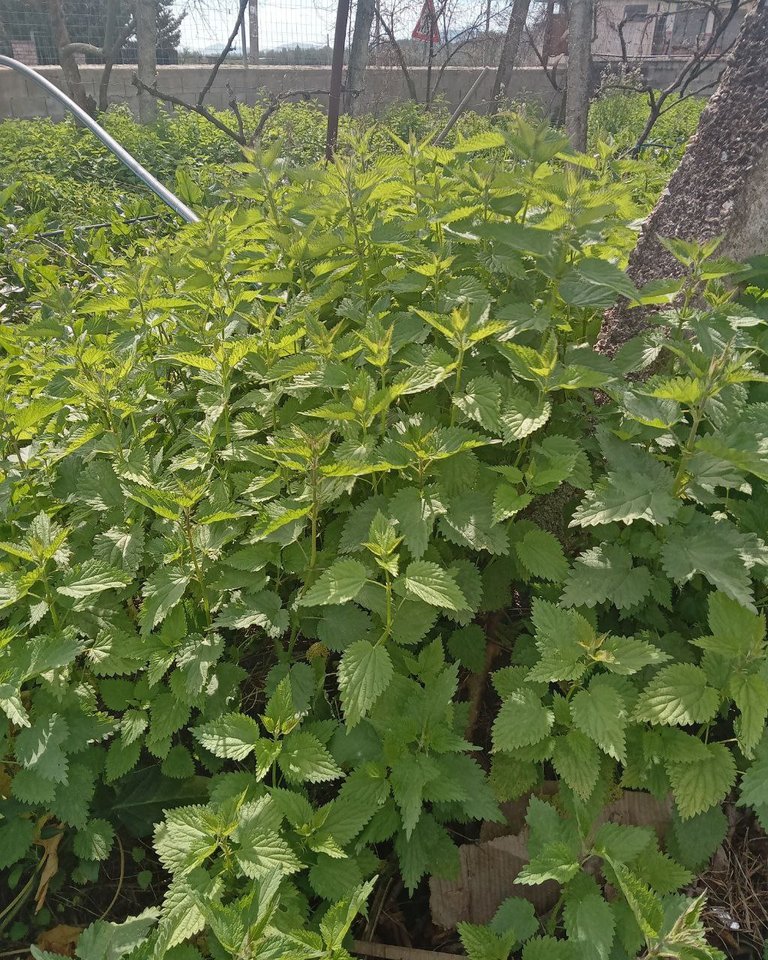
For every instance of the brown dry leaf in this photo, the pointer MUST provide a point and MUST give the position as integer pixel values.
(5, 783)
(60, 939)
(50, 867)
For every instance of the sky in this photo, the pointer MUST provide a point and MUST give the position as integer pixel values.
(209, 22)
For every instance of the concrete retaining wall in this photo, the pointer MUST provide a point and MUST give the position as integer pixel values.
(20, 97)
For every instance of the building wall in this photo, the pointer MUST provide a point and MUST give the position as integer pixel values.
(21, 98)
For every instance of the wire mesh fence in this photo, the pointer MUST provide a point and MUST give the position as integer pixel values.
(276, 31)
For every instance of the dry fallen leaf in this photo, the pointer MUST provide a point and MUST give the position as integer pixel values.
(50, 867)
(60, 939)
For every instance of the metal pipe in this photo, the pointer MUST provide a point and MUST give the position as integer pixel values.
(120, 152)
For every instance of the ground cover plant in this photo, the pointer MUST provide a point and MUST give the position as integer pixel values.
(280, 493)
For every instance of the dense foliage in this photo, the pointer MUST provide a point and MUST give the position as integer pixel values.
(275, 489)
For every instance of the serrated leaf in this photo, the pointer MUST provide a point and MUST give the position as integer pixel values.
(162, 592)
(39, 748)
(754, 783)
(589, 923)
(694, 841)
(700, 785)
(601, 713)
(16, 836)
(714, 549)
(303, 758)
(605, 573)
(430, 583)
(91, 578)
(186, 838)
(416, 514)
(642, 491)
(576, 759)
(233, 736)
(750, 695)
(480, 402)
(522, 720)
(365, 672)
(679, 694)
(541, 553)
(524, 413)
(556, 861)
(341, 582)
(94, 841)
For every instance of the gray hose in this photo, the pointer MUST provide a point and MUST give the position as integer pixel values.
(87, 121)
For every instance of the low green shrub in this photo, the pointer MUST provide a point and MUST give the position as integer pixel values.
(271, 491)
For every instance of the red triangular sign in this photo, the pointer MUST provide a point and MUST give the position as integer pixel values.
(426, 28)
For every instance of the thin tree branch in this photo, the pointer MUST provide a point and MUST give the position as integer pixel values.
(224, 53)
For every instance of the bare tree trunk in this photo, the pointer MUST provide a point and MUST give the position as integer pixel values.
(358, 53)
(720, 188)
(67, 60)
(146, 45)
(517, 20)
(579, 59)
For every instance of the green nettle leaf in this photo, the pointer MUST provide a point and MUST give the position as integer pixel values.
(713, 548)
(480, 402)
(701, 784)
(679, 694)
(233, 736)
(576, 759)
(186, 838)
(468, 522)
(303, 758)
(556, 861)
(628, 655)
(365, 671)
(481, 943)
(39, 748)
(754, 783)
(601, 713)
(523, 413)
(261, 848)
(521, 720)
(91, 578)
(562, 638)
(262, 609)
(736, 632)
(606, 573)
(750, 695)
(645, 906)
(643, 490)
(162, 592)
(589, 922)
(16, 836)
(694, 841)
(541, 553)
(415, 513)
(94, 841)
(429, 582)
(341, 582)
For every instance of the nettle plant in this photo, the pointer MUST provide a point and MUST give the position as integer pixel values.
(270, 497)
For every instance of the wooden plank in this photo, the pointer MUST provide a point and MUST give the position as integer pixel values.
(383, 951)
